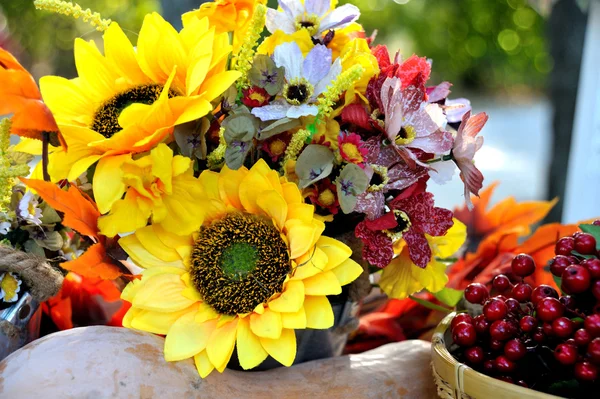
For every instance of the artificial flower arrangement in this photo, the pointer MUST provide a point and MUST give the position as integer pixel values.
(208, 166)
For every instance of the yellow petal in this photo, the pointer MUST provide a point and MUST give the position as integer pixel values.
(319, 313)
(221, 343)
(291, 193)
(322, 284)
(125, 216)
(282, 349)
(190, 290)
(118, 49)
(158, 322)
(296, 320)
(96, 73)
(273, 204)
(397, 280)
(310, 264)
(300, 236)
(205, 312)
(210, 184)
(229, 186)
(130, 290)
(149, 239)
(108, 171)
(162, 293)
(291, 299)
(187, 338)
(129, 315)
(347, 272)
(249, 349)
(82, 165)
(337, 252)
(216, 85)
(266, 325)
(162, 166)
(203, 364)
(251, 188)
(304, 212)
(140, 255)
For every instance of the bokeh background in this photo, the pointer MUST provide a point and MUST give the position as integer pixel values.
(517, 60)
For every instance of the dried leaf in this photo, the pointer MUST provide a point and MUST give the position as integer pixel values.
(80, 213)
(315, 163)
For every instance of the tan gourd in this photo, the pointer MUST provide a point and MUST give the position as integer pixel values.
(106, 362)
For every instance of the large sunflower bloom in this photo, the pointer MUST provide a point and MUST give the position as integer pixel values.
(257, 269)
(127, 101)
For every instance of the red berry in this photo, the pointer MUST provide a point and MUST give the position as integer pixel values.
(563, 327)
(504, 365)
(573, 259)
(489, 366)
(506, 378)
(565, 354)
(502, 330)
(568, 301)
(593, 266)
(522, 292)
(501, 283)
(549, 309)
(528, 323)
(596, 222)
(459, 318)
(596, 289)
(547, 327)
(559, 264)
(496, 345)
(474, 355)
(514, 350)
(481, 324)
(539, 336)
(522, 383)
(513, 306)
(564, 246)
(586, 371)
(582, 337)
(543, 291)
(593, 350)
(592, 325)
(575, 279)
(476, 293)
(464, 334)
(523, 265)
(495, 309)
(585, 244)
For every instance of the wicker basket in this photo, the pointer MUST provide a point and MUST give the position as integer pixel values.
(458, 381)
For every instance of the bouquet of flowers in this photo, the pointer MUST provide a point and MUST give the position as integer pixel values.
(210, 166)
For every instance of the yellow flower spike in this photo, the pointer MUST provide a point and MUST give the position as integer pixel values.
(295, 146)
(216, 158)
(334, 91)
(243, 61)
(75, 11)
(249, 290)
(8, 172)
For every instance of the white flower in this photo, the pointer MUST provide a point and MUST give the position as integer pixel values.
(305, 79)
(10, 285)
(28, 209)
(316, 16)
(4, 228)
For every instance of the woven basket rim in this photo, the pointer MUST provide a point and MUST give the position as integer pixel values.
(441, 352)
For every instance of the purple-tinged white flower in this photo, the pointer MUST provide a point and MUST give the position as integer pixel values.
(5, 228)
(305, 79)
(316, 16)
(28, 209)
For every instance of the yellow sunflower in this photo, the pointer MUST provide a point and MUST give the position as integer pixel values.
(402, 277)
(257, 269)
(129, 99)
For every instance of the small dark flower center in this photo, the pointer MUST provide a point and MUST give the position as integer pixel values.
(298, 91)
(238, 263)
(106, 119)
(403, 225)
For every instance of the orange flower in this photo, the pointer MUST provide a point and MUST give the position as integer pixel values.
(21, 97)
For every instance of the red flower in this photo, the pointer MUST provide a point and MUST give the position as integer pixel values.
(276, 146)
(352, 148)
(325, 196)
(255, 97)
(378, 248)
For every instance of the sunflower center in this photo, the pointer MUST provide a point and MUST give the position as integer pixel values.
(406, 135)
(106, 119)
(298, 91)
(309, 22)
(239, 262)
(403, 225)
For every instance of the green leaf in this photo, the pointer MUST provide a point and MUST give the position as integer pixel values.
(240, 127)
(315, 163)
(265, 74)
(582, 255)
(32, 247)
(593, 230)
(430, 305)
(191, 138)
(52, 241)
(352, 182)
(277, 127)
(557, 281)
(236, 153)
(49, 215)
(449, 296)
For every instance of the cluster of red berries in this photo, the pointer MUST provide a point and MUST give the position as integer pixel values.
(532, 336)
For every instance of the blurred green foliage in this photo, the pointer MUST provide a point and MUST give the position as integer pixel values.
(491, 45)
(43, 41)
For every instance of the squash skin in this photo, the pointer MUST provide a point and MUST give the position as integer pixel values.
(109, 362)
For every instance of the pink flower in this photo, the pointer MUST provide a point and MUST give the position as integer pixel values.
(352, 148)
(466, 145)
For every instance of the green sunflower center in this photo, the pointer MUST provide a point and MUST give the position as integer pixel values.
(239, 262)
(106, 119)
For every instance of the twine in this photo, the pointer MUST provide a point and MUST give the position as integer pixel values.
(43, 280)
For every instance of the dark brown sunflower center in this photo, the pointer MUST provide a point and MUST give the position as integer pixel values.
(106, 119)
(238, 263)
